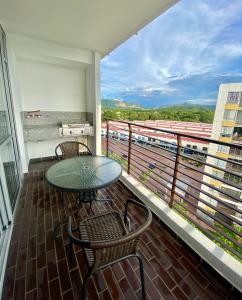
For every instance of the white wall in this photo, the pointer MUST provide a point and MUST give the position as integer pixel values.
(47, 86)
(44, 86)
(53, 77)
(93, 96)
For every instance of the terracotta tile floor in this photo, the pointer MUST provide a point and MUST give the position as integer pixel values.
(38, 265)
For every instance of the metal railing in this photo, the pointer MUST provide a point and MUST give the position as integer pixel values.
(189, 180)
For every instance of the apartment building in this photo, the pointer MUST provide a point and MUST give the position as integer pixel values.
(227, 128)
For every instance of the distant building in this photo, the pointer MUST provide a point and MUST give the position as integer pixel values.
(227, 127)
(152, 136)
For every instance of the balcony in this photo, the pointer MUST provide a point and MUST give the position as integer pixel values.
(50, 73)
(189, 181)
(38, 266)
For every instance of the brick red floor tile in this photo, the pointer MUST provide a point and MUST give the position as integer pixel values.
(39, 266)
(113, 287)
(8, 289)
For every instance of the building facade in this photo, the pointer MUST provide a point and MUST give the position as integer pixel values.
(227, 127)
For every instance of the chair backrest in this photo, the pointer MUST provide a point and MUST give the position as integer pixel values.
(105, 252)
(110, 250)
(71, 149)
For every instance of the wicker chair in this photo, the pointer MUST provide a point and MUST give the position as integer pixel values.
(71, 149)
(106, 240)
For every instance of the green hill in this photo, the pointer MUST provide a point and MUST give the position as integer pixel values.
(119, 104)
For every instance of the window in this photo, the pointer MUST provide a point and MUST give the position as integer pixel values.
(189, 146)
(217, 174)
(222, 148)
(233, 178)
(234, 97)
(232, 192)
(220, 163)
(230, 115)
(205, 149)
(226, 131)
(194, 147)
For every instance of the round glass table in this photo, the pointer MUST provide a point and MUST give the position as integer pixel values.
(83, 173)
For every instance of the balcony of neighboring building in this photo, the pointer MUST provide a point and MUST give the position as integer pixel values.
(237, 134)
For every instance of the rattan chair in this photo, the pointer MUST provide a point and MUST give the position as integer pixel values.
(106, 240)
(71, 149)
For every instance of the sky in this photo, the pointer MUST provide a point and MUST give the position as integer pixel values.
(183, 55)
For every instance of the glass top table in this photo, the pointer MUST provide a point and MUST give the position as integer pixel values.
(83, 173)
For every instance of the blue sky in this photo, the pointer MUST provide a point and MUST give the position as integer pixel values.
(183, 55)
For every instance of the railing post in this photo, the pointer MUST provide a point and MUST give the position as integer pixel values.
(178, 152)
(129, 147)
(107, 137)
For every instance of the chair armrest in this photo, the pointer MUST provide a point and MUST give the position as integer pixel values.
(137, 204)
(56, 154)
(72, 238)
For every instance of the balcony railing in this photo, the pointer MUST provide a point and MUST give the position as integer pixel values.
(189, 180)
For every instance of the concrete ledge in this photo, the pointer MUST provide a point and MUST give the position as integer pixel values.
(221, 261)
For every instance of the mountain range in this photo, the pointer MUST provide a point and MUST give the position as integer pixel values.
(121, 104)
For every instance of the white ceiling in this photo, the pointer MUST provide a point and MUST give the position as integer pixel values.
(99, 25)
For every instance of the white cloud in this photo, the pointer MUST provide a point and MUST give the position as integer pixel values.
(201, 100)
(191, 38)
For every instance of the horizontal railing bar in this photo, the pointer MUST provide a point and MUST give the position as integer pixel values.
(203, 154)
(200, 200)
(212, 166)
(132, 152)
(118, 148)
(134, 149)
(201, 209)
(194, 150)
(160, 183)
(151, 176)
(140, 146)
(212, 226)
(148, 175)
(154, 186)
(153, 159)
(210, 186)
(213, 177)
(114, 149)
(232, 162)
(123, 145)
(209, 140)
(201, 182)
(213, 237)
(210, 155)
(150, 142)
(208, 213)
(230, 206)
(196, 170)
(119, 152)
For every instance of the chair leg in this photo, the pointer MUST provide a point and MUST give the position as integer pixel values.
(84, 285)
(142, 278)
(91, 208)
